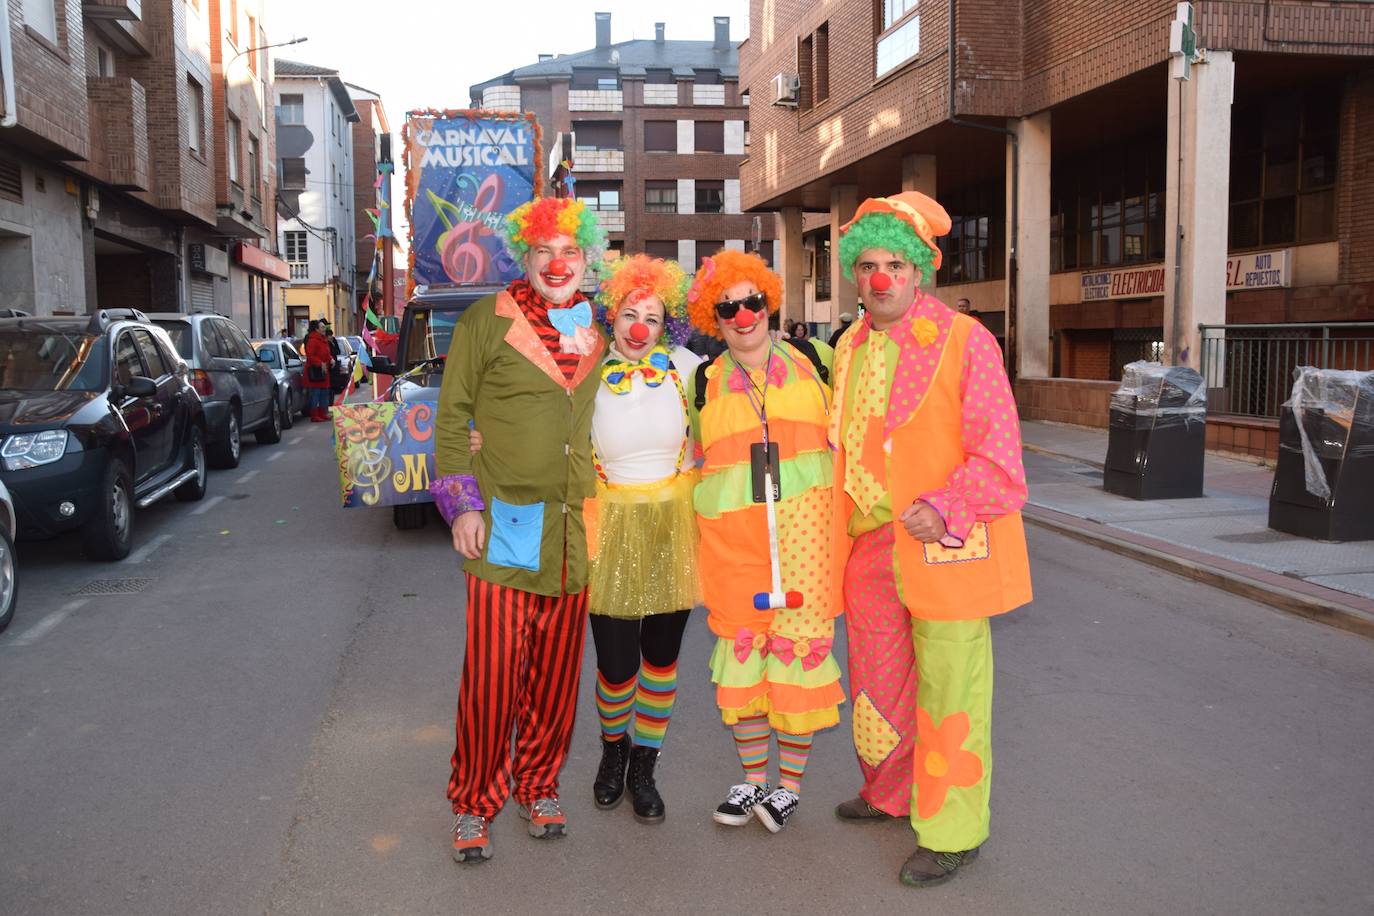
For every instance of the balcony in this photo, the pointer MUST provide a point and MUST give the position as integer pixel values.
(501, 98)
(119, 112)
(660, 93)
(112, 9)
(300, 270)
(599, 160)
(708, 95)
(596, 100)
(611, 220)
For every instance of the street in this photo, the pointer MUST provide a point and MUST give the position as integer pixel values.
(265, 728)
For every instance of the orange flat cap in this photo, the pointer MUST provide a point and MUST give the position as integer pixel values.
(925, 216)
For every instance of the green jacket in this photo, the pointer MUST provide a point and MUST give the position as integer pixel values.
(535, 466)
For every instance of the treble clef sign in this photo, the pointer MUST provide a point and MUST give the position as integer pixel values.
(463, 257)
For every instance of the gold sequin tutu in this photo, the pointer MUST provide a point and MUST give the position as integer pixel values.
(643, 542)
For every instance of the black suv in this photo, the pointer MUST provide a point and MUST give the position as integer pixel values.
(97, 417)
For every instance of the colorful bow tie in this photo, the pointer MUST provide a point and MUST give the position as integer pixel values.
(618, 374)
(568, 320)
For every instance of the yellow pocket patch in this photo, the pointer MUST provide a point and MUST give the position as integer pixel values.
(976, 547)
(874, 737)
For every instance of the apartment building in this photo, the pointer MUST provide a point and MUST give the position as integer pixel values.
(1105, 209)
(110, 144)
(655, 130)
(371, 137)
(315, 206)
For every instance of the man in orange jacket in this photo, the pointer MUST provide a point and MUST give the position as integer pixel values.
(927, 533)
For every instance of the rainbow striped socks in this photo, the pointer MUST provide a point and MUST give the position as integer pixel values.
(793, 751)
(654, 703)
(751, 743)
(613, 704)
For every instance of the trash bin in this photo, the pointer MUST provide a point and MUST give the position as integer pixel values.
(1324, 482)
(1157, 435)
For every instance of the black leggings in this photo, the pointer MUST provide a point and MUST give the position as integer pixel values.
(620, 643)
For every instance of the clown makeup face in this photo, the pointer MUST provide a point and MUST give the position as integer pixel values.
(746, 332)
(888, 284)
(638, 325)
(555, 267)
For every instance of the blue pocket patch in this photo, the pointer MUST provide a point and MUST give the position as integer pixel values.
(517, 533)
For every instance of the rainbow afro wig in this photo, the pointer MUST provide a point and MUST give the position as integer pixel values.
(718, 273)
(630, 279)
(546, 217)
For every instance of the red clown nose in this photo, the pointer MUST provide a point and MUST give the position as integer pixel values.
(558, 267)
(639, 332)
(745, 319)
(881, 283)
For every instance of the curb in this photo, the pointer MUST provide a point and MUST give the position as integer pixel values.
(1314, 602)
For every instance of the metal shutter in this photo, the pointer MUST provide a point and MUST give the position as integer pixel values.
(202, 294)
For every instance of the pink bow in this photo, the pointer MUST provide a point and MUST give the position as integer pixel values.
(704, 274)
(747, 641)
(811, 651)
(777, 376)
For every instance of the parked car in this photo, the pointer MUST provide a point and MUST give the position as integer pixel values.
(239, 391)
(342, 370)
(9, 562)
(288, 366)
(98, 418)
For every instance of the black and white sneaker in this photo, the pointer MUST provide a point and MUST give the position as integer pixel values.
(738, 806)
(776, 807)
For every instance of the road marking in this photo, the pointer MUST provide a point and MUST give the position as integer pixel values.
(148, 549)
(276, 455)
(207, 505)
(295, 440)
(42, 627)
(247, 477)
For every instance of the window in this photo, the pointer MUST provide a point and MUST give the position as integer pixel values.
(746, 134)
(822, 64)
(666, 250)
(1283, 169)
(1107, 208)
(806, 53)
(104, 60)
(607, 83)
(822, 268)
(293, 174)
(710, 197)
(234, 22)
(599, 195)
(41, 16)
(660, 136)
(972, 249)
(292, 109)
(706, 77)
(710, 136)
(127, 365)
(597, 135)
(252, 58)
(262, 57)
(603, 79)
(706, 249)
(195, 115)
(152, 356)
(234, 140)
(900, 37)
(293, 241)
(659, 78)
(660, 197)
(254, 170)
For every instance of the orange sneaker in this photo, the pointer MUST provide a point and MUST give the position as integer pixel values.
(471, 839)
(547, 821)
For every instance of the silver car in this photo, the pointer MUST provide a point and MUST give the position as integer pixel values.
(287, 364)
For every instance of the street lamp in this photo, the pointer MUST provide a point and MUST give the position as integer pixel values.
(280, 44)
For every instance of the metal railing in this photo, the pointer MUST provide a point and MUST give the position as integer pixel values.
(1250, 368)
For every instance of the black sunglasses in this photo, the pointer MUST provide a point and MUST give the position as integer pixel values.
(754, 302)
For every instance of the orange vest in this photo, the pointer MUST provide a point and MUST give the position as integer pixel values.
(990, 574)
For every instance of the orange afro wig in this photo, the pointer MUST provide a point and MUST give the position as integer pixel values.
(629, 279)
(718, 273)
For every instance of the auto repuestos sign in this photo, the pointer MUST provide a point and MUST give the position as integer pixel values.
(1255, 270)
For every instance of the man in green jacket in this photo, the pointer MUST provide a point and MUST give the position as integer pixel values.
(522, 368)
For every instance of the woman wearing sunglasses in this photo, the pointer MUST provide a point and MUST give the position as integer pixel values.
(759, 413)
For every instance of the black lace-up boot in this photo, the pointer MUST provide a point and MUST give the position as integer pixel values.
(648, 804)
(609, 787)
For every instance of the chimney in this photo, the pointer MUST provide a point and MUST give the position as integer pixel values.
(658, 32)
(603, 30)
(722, 33)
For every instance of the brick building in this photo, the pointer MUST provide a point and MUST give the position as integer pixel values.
(656, 131)
(1115, 207)
(110, 151)
(371, 136)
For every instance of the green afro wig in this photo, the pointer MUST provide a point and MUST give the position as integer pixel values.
(883, 230)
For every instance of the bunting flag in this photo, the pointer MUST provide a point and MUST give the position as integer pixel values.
(372, 317)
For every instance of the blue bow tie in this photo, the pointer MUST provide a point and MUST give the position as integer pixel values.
(567, 321)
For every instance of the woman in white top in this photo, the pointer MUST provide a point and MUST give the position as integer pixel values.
(642, 526)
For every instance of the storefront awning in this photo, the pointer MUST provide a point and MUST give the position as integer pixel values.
(254, 258)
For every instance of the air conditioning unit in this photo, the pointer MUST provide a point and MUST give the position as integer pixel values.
(786, 88)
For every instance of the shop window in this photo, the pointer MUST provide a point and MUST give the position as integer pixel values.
(660, 197)
(1284, 157)
(710, 136)
(710, 196)
(972, 249)
(660, 136)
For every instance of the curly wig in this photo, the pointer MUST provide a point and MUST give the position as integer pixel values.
(629, 279)
(883, 230)
(722, 270)
(545, 217)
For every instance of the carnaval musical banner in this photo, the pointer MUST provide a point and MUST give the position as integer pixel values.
(465, 170)
(385, 453)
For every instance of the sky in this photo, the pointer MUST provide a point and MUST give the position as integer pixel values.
(426, 53)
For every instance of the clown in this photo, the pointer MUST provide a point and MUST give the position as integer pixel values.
(524, 367)
(759, 415)
(926, 532)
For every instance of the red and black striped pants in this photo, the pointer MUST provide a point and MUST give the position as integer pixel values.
(520, 673)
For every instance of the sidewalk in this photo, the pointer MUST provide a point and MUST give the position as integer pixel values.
(1222, 538)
